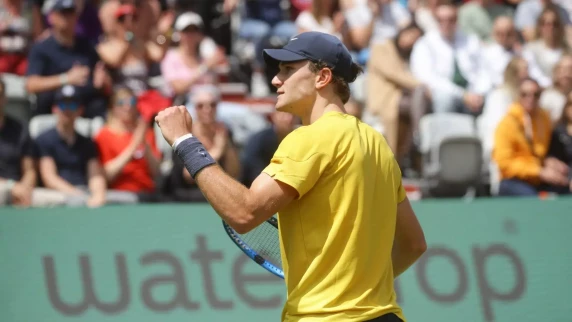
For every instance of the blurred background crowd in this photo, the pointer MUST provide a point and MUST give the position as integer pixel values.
(474, 97)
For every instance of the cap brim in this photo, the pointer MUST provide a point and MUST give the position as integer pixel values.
(274, 56)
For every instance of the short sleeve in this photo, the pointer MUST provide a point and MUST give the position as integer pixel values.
(43, 147)
(36, 63)
(169, 69)
(400, 190)
(298, 162)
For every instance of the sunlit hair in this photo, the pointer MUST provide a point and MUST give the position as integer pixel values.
(341, 86)
(511, 76)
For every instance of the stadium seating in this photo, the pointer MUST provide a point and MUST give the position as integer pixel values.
(452, 154)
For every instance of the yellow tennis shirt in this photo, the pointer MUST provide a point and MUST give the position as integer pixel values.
(336, 238)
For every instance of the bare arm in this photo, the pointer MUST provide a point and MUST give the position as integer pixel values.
(96, 179)
(242, 208)
(155, 52)
(52, 180)
(113, 52)
(38, 84)
(28, 172)
(182, 86)
(113, 167)
(409, 243)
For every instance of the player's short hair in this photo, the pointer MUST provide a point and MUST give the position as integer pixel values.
(341, 86)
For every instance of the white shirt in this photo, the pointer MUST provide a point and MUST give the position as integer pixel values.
(306, 20)
(392, 18)
(432, 62)
(495, 60)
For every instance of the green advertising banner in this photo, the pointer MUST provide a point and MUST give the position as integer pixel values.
(488, 260)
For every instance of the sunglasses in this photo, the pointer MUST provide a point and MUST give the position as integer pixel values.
(126, 102)
(535, 94)
(68, 106)
(211, 104)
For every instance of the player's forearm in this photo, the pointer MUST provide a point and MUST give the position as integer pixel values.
(228, 197)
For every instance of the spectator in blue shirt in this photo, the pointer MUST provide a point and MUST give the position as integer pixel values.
(66, 59)
(68, 160)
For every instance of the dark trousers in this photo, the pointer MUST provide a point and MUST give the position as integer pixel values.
(386, 318)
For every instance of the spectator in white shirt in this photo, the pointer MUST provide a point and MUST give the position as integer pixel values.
(553, 99)
(504, 47)
(528, 12)
(550, 46)
(448, 62)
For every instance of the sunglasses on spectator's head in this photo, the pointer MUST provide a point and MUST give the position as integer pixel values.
(131, 101)
(68, 105)
(205, 104)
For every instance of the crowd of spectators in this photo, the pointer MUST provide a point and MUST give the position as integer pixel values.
(506, 62)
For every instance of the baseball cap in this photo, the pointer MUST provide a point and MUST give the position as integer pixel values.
(58, 5)
(317, 47)
(188, 19)
(67, 97)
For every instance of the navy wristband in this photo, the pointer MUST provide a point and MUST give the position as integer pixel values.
(194, 155)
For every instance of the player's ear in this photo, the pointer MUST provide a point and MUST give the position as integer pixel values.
(324, 77)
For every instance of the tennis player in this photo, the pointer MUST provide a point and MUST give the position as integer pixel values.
(347, 228)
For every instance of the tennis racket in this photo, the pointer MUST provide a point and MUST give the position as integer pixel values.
(262, 245)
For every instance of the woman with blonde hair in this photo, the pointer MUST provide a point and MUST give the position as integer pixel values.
(499, 99)
(554, 98)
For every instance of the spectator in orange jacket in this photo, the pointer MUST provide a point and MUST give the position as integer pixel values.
(522, 140)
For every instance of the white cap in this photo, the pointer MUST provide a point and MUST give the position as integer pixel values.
(188, 19)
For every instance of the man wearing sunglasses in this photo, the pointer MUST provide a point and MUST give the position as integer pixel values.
(68, 160)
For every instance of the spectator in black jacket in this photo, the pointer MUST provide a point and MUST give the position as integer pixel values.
(561, 143)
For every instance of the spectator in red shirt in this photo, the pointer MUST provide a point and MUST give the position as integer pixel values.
(127, 147)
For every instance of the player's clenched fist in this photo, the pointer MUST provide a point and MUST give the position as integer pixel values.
(174, 122)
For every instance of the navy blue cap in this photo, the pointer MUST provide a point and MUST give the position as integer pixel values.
(67, 93)
(317, 47)
(59, 5)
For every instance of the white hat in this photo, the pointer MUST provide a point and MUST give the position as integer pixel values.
(188, 19)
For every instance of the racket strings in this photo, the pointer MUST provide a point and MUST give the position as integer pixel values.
(265, 241)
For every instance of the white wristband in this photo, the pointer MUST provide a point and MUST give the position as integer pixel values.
(181, 139)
